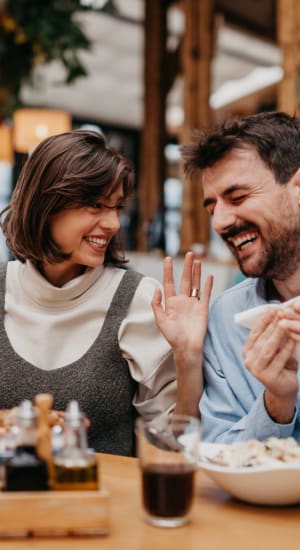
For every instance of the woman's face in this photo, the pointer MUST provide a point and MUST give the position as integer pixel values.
(84, 233)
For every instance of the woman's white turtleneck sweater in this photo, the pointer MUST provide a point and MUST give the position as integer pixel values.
(51, 327)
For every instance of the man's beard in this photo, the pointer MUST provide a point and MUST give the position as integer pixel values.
(280, 255)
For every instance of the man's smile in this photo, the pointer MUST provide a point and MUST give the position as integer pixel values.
(242, 240)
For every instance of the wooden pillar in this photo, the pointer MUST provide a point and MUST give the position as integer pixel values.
(197, 53)
(288, 33)
(152, 164)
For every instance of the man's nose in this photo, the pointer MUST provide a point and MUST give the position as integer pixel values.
(223, 218)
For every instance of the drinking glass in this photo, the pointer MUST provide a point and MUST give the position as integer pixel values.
(168, 450)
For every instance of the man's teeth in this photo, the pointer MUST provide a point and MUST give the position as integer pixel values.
(98, 242)
(241, 242)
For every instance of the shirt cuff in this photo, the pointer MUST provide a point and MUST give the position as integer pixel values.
(264, 426)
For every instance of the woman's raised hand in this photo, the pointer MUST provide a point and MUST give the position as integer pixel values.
(182, 318)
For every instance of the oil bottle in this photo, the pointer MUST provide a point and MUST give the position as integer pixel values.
(26, 471)
(75, 468)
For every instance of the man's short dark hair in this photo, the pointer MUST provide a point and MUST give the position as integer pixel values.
(274, 135)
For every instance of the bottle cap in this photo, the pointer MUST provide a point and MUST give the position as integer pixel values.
(73, 415)
(26, 413)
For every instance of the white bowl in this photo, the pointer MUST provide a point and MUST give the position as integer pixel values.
(276, 485)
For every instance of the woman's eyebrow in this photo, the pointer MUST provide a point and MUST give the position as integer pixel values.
(109, 198)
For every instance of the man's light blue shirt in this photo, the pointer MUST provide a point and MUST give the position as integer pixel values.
(232, 405)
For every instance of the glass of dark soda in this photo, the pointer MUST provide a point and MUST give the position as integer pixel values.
(168, 451)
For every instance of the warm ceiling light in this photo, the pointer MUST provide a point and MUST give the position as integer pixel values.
(31, 126)
(6, 147)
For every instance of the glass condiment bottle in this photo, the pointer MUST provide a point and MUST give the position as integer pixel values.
(75, 468)
(26, 471)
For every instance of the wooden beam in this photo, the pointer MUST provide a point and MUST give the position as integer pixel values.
(197, 53)
(152, 162)
(288, 25)
(173, 68)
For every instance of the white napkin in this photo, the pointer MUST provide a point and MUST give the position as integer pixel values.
(249, 317)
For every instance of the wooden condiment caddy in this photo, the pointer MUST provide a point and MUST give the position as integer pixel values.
(52, 513)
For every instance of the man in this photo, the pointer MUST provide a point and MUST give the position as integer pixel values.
(251, 186)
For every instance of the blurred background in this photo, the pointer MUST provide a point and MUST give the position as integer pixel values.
(146, 73)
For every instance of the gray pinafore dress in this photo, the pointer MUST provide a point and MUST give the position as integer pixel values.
(100, 380)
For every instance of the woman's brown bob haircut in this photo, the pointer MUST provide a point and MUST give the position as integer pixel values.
(70, 170)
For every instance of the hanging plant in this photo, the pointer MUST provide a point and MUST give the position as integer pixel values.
(34, 32)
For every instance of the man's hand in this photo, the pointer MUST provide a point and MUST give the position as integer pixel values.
(291, 319)
(268, 355)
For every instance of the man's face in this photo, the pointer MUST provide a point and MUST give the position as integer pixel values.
(258, 219)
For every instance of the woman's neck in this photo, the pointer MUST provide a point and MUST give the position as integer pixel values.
(60, 274)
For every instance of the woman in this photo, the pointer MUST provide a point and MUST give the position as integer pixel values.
(73, 322)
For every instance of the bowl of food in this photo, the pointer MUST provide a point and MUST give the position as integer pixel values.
(258, 472)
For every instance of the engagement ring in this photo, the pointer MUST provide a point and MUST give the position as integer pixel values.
(195, 293)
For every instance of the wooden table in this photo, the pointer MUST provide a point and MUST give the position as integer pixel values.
(217, 521)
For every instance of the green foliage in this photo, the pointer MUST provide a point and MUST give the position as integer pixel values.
(34, 32)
